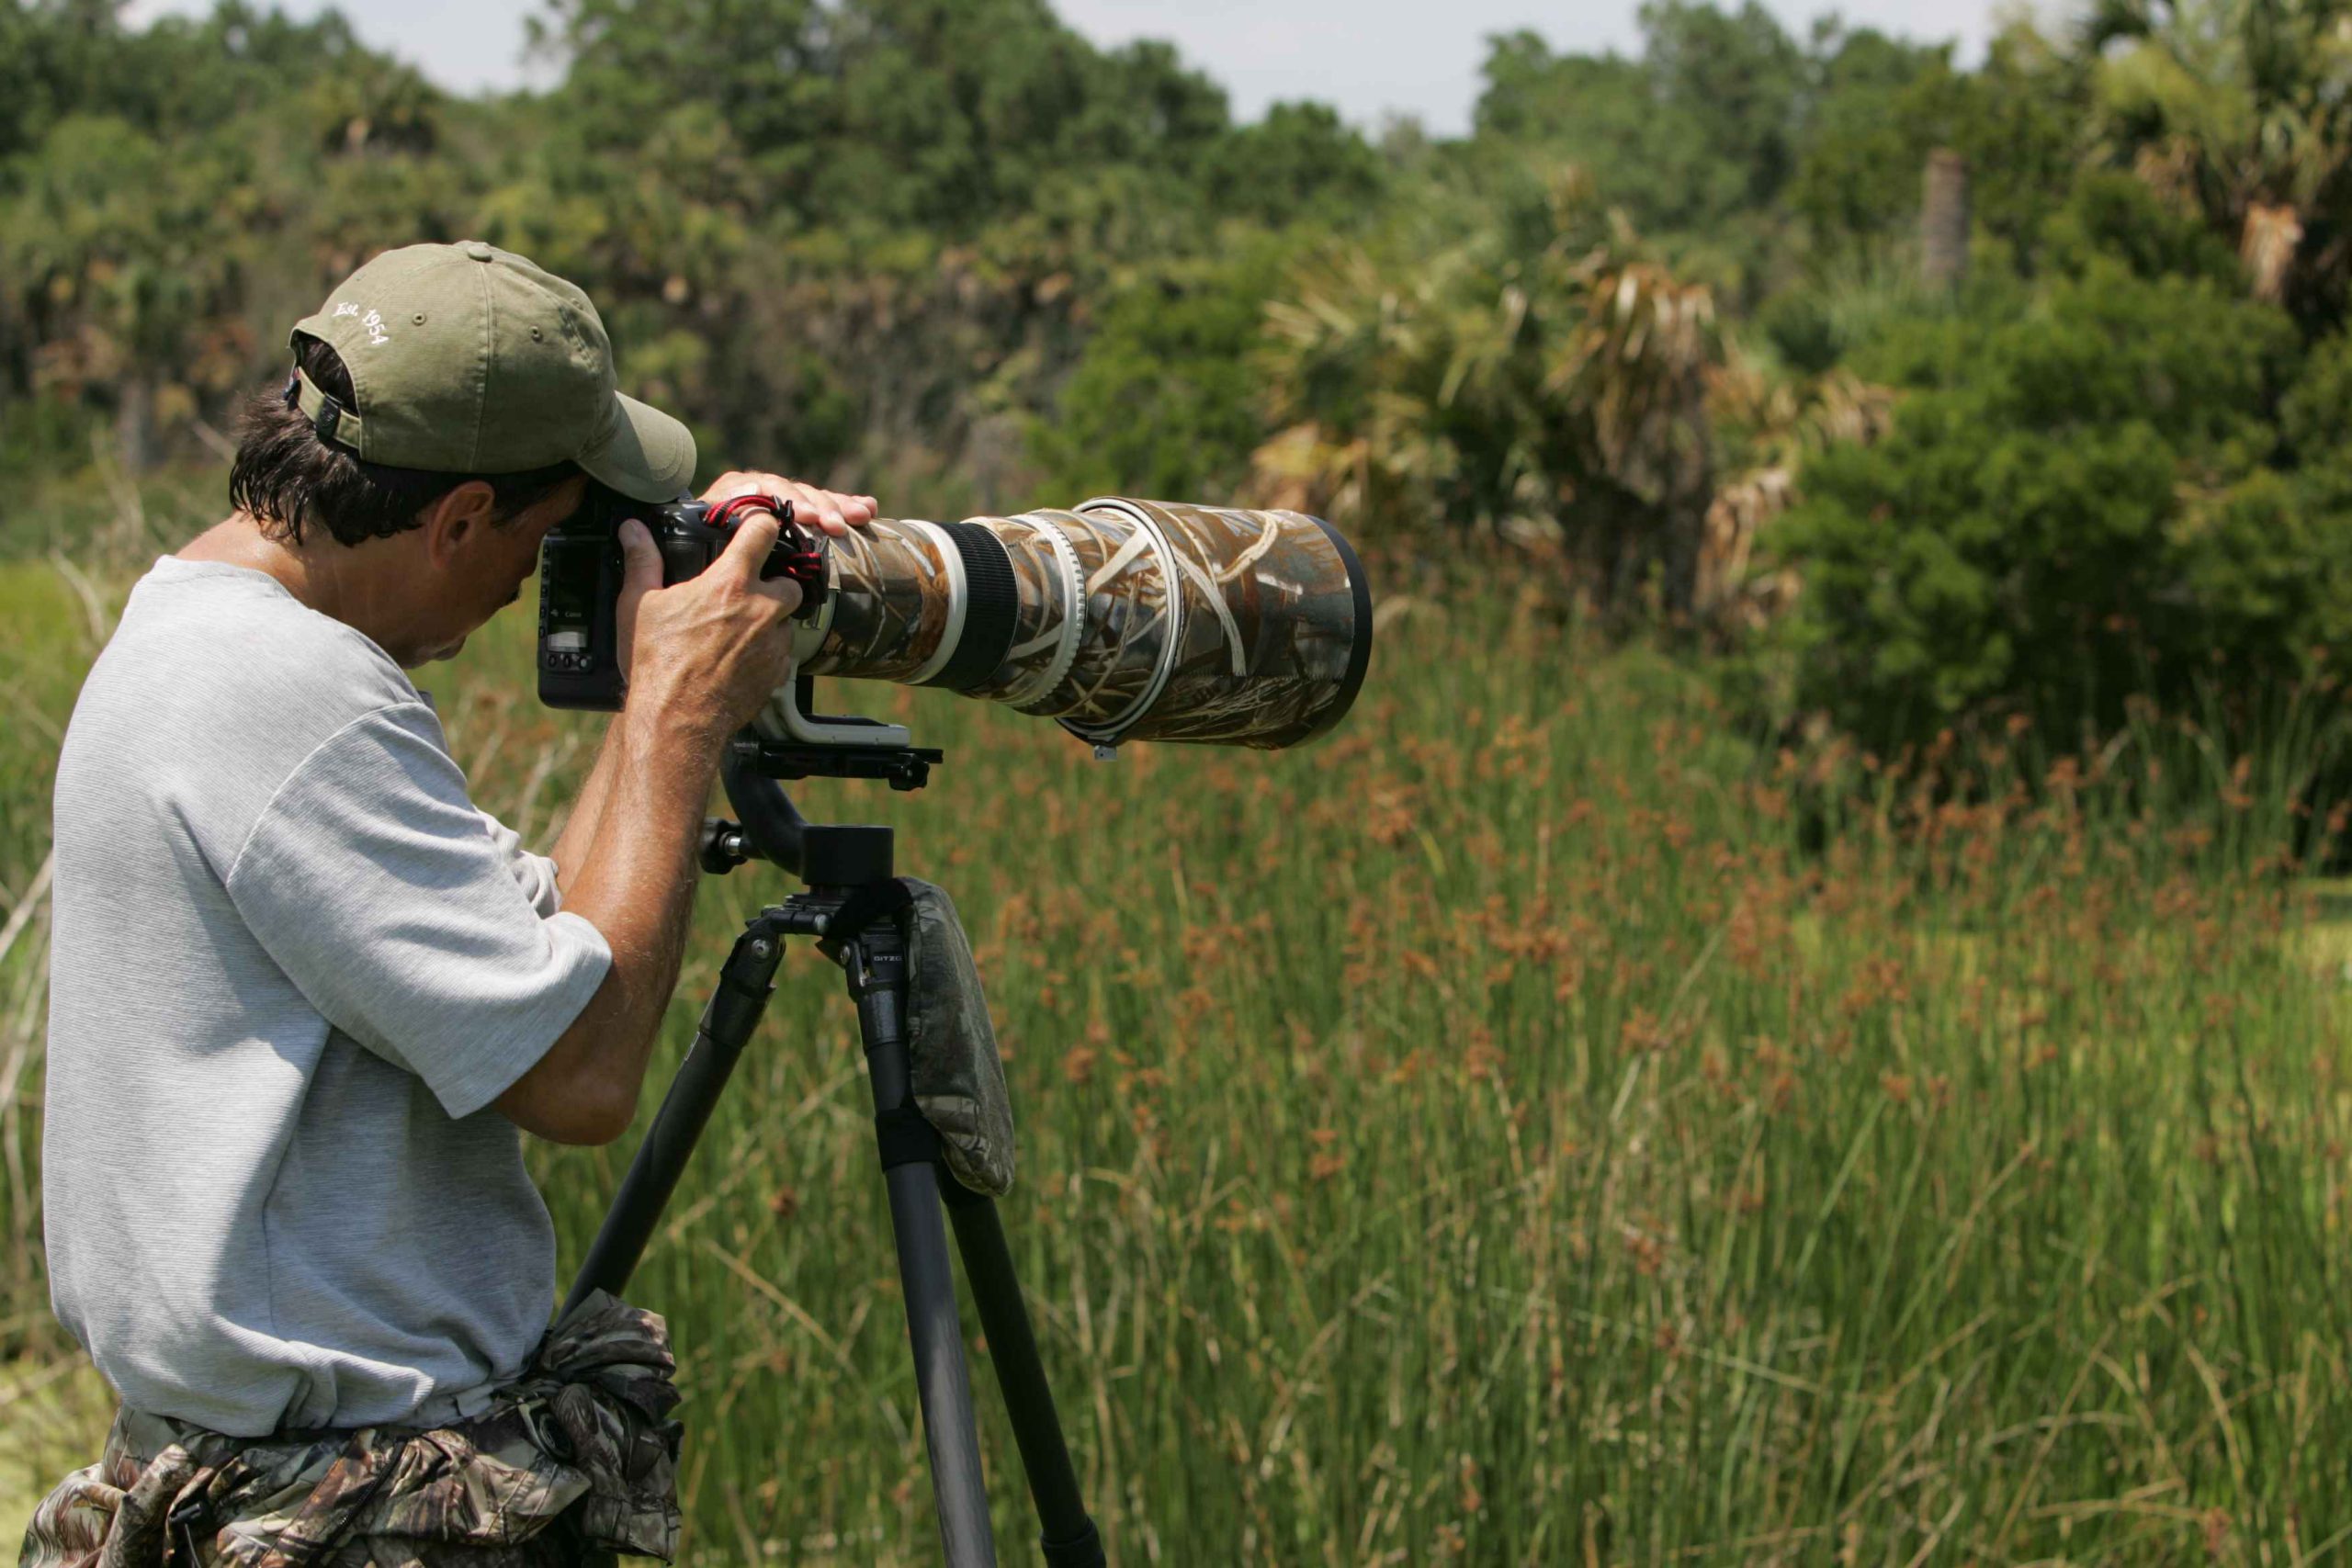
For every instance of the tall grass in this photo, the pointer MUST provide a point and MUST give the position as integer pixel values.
(1511, 1131)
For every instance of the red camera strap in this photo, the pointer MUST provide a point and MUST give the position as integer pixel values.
(799, 549)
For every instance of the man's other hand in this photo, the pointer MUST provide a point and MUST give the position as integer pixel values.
(705, 653)
(721, 640)
(829, 510)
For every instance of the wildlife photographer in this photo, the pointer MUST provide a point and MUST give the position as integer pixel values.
(306, 997)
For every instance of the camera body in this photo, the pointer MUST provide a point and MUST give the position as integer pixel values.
(579, 584)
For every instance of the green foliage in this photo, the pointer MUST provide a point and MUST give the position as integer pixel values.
(2074, 506)
(865, 239)
(1851, 305)
(2115, 216)
(1164, 399)
(2239, 112)
(1737, 79)
(148, 184)
(1299, 164)
(1883, 106)
(2019, 121)
(2314, 419)
(1540, 386)
(1699, 130)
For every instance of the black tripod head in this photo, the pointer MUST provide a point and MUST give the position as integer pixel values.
(770, 828)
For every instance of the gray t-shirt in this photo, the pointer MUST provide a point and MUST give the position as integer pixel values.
(292, 965)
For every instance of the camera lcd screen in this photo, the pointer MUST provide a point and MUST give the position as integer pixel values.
(572, 568)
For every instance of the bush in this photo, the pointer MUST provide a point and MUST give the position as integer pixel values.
(2081, 503)
(2115, 216)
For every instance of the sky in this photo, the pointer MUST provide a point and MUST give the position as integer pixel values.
(1371, 59)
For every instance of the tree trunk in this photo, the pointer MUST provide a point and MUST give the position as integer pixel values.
(1943, 220)
(2266, 244)
(134, 423)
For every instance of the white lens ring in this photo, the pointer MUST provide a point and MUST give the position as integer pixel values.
(1110, 732)
(1071, 631)
(958, 594)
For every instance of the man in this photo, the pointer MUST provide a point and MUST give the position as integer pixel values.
(304, 993)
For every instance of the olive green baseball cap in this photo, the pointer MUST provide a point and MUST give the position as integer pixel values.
(468, 359)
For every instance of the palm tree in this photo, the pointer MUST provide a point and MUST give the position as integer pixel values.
(2241, 109)
(1773, 422)
(1555, 400)
(1633, 373)
(1580, 403)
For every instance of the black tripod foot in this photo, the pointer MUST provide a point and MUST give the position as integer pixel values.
(1085, 1551)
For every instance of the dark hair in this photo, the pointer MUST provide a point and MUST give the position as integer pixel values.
(286, 478)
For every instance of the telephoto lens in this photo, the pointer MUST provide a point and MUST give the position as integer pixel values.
(1120, 619)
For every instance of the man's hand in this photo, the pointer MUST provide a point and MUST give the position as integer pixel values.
(706, 653)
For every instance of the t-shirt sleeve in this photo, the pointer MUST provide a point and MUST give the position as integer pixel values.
(377, 887)
(534, 873)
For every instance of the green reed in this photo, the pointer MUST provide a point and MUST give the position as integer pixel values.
(1528, 1127)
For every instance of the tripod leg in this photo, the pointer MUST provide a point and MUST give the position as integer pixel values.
(950, 1430)
(876, 963)
(1068, 1536)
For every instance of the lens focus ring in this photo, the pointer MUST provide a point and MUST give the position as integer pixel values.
(991, 612)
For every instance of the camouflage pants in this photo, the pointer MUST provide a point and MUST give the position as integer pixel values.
(570, 1464)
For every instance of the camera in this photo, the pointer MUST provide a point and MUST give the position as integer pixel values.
(580, 582)
(1119, 619)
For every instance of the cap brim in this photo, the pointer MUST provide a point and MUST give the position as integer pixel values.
(644, 454)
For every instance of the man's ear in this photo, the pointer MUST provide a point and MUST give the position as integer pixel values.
(457, 519)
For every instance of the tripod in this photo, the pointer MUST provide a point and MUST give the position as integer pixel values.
(847, 870)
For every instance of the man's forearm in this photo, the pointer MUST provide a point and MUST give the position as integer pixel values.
(580, 828)
(634, 882)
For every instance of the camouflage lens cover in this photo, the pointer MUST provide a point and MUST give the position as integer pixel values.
(1132, 619)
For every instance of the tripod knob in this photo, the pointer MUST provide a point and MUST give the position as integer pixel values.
(835, 855)
(724, 846)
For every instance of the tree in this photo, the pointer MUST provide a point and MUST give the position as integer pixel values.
(1299, 164)
(1880, 106)
(1700, 128)
(1164, 399)
(942, 113)
(1738, 77)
